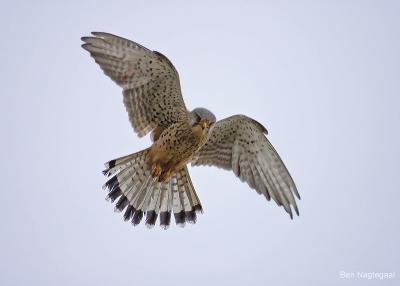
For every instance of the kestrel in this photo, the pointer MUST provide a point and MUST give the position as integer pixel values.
(155, 182)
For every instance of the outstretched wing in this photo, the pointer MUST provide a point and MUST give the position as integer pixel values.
(238, 143)
(151, 88)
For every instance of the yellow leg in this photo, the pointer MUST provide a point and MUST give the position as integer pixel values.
(156, 170)
(164, 175)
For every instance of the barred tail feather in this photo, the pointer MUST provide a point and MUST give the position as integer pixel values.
(120, 163)
(141, 195)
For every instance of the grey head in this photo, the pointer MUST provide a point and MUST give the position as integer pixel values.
(200, 113)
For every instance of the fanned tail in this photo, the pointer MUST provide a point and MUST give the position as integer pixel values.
(139, 194)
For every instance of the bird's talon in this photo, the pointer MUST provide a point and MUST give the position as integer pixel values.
(156, 170)
(164, 175)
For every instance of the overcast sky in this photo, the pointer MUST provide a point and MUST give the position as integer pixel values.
(322, 76)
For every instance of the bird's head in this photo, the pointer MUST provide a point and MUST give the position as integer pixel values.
(202, 117)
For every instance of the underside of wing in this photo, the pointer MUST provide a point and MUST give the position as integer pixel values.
(150, 83)
(238, 143)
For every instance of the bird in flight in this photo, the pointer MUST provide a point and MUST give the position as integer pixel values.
(155, 182)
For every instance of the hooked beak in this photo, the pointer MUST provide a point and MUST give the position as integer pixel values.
(205, 123)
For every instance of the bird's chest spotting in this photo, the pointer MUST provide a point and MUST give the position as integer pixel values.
(178, 142)
(179, 138)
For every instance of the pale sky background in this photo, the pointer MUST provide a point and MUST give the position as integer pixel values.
(322, 76)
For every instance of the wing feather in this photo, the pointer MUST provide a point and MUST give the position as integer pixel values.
(238, 143)
(150, 83)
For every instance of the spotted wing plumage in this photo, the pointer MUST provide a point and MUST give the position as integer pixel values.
(238, 143)
(150, 83)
